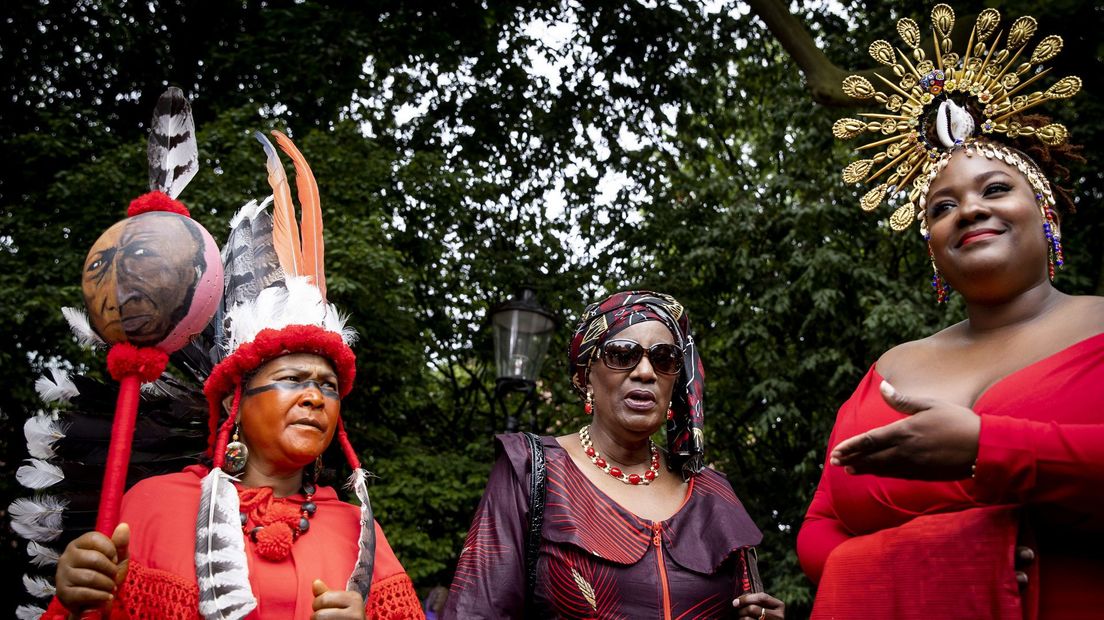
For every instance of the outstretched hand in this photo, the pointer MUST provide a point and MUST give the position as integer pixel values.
(938, 441)
(91, 567)
(335, 604)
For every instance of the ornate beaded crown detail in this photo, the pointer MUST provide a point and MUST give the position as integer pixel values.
(962, 97)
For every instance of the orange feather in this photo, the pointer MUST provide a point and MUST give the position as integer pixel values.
(314, 248)
(285, 230)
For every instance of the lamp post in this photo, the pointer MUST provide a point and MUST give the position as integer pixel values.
(522, 330)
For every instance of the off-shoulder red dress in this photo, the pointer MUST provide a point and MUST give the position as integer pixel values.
(891, 548)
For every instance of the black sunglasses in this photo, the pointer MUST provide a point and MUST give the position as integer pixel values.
(626, 354)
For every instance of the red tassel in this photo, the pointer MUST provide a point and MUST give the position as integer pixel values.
(156, 201)
(146, 363)
(346, 445)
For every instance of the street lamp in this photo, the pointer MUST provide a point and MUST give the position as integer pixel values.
(522, 330)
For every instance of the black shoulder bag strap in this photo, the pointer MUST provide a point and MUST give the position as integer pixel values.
(536, 519)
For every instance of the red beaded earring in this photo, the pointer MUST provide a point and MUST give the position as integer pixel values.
(670, 414)
(588, 406)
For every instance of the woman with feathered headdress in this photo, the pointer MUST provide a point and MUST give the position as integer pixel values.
(255, 534)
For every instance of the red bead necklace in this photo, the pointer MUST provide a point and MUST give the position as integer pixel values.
(596, 458)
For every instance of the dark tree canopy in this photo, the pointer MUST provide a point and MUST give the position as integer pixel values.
(464, 149)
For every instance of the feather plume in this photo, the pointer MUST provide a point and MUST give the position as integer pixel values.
(29, 612)
(39, 518)
(39, 474)
(173, 152)
(82, 329)
(298, 303)
(285, 230)
(314, 248)
(39, 587)
(58, 390)
(221, 569)
(361, 578)
(250, 261)
(42, 431)
(41, 555)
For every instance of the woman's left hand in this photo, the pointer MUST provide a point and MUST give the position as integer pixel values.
(938, 441)
(759, 606)
(334, 604)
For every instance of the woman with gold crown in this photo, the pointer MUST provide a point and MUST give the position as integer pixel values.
(271, 541)
(964, 474)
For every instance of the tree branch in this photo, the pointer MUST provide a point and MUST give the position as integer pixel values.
(822, 77)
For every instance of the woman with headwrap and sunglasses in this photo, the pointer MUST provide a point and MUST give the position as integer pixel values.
(627, 530)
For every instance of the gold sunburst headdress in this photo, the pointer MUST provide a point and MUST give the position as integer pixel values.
(963, 99)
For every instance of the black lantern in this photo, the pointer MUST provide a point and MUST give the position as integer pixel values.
(522, 330)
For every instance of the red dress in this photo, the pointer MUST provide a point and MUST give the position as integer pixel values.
(891, 548)
(161, 580)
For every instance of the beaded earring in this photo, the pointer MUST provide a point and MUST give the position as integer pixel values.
(1055, 257)
(236, 454)
(588, 406)
(942, 289)
(670, 414)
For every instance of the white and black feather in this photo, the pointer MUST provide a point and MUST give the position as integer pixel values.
(221, 568)
(173, 152)
(361, 578)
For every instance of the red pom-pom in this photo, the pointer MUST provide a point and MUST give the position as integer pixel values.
(125, 359)
(285, 512)
(274, 542)
(156, 201)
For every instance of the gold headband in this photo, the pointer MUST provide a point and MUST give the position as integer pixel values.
(950, 91)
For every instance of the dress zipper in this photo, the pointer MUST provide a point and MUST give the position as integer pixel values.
(657, 540)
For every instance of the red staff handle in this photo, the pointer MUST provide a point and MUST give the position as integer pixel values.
(118, 455)
(131, 367)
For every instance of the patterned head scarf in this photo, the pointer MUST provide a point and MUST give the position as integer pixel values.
(605, 319)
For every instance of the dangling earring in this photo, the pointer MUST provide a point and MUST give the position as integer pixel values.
(1055, 258)
(236, 454)
(588, 406)
(317, 469)
(942, 289)
(670, 414)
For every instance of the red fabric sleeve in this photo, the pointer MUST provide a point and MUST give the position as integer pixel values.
(393, 598)
(820, 534)
(490, 574)
(1024, 461)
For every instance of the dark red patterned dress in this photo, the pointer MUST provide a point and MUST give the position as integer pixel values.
(598, 560)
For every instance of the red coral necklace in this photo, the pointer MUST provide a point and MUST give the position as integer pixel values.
(596, 458)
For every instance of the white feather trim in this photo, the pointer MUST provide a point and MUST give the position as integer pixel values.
(39, 474)
(42, 431)
(58, 390)
(222, 572)
(41, 555)
(297, 303)
(39, 587)
(249, 211)
(28, 612)
(82, 329)
(37, 518)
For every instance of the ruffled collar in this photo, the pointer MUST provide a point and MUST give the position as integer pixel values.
(710, 525)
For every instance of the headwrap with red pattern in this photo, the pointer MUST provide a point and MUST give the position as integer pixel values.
(607, 318)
